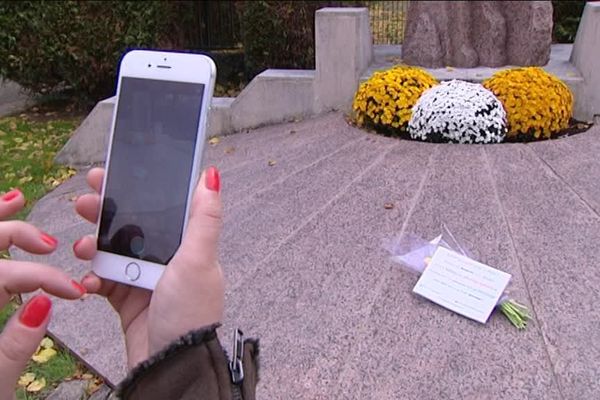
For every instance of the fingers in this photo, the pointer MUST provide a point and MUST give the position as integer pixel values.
(11, 202)
(20, 338)
(85, 248)
(24, 277)
(200, 241)
(26, 237)
(94, 178)
(94, 284)
(88, 206)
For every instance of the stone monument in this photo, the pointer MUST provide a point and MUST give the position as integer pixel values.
(477, 33)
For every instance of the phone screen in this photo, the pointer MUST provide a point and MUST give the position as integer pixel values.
(150, 168)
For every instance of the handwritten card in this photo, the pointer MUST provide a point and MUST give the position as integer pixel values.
(462, 285)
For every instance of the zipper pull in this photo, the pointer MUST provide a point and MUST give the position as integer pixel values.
(235, 366)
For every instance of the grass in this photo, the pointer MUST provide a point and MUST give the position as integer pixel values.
(28, 144)
(27, 150)
(59, 367)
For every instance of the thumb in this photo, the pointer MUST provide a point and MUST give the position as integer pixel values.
(20, 338)
(199, 246)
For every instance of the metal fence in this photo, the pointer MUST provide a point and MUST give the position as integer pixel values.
(388, 20)
(218, 27)
(217, 24)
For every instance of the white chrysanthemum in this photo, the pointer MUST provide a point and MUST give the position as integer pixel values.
(458, 112)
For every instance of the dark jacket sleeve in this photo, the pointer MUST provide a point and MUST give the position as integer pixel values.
(193, 367)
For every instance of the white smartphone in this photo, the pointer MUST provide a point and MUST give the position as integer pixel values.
(154, 155)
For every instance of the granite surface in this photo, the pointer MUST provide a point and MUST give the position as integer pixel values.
(302, 252)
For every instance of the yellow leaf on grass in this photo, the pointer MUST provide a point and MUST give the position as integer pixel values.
(37, 385)
(2, 133)
(44, 355)
(87, 376)
(47, 343)
(214, 141)
(25, 179)
(26, 379)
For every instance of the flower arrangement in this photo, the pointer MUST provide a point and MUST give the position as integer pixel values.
(458, 112)
(537, 103)
(386, 99)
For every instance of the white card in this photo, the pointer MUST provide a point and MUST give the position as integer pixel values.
(462, 285)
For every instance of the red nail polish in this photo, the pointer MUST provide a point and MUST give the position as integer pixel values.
(213, 181)
(49, 240)
(78, 286)
(8, 196)
(35, 311)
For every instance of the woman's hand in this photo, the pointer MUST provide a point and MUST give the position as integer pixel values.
(189, 295)
(24, 331)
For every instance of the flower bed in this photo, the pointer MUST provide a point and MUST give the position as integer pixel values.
(518, 104)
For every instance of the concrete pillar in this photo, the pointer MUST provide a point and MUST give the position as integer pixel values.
(586, 57)
(343, 50)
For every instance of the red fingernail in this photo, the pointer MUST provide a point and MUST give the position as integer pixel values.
(8, 196)
(49, 240)
(35, 311)
(78, 286)
(213, 181)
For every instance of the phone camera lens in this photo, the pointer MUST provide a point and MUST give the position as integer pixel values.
(149, 65)
(165, 59)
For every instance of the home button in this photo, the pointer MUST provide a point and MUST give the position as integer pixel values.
(132, 270)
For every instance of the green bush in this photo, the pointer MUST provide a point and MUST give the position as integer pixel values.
(566, 16)
(75, 46)
(280, 34)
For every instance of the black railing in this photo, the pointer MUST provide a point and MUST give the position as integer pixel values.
(388, 19)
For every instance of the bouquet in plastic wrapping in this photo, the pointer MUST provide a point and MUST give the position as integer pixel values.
(415, 253)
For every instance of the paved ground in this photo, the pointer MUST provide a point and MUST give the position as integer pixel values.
(337, 319)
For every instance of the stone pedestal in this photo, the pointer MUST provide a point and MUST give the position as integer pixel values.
(586, 57)
(343, 50)
(478, 33)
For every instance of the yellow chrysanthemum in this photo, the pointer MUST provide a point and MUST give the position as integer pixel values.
(537, 103)
(387, 98)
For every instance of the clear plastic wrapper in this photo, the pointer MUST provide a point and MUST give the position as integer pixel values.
(414, 253)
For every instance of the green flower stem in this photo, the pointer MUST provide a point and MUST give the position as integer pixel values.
(516, 313)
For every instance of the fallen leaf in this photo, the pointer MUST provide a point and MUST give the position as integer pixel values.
(571, 74)
(271, 163)
(93, 386)
(37, 385)
(449, 69)
(388, 206)
(25, 179)
(26, 379)
(2, 133)
(87, 376)
(214, 140)
(73, 198)
(229, 150)
(47, 343)
(43, 356)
